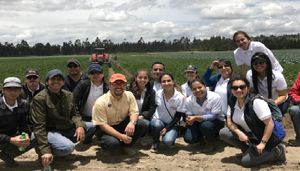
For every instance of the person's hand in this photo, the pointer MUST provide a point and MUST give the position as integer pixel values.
(17, 141)
(141, 117)
(129, 130)
(242, 137)
(126, 139)
(163, 132)
(214, 64)
(46, 159)
(190, 120)
(80, 133)
(260, 148)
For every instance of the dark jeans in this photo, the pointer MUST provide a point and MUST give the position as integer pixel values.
(112, 143)
(284, 106)
(208, 129)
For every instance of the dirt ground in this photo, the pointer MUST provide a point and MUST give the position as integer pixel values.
(182, 157)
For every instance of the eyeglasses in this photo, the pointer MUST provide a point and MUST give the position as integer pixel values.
(95, 72)
(222, 66)
(72, 66)
(32, 77)
(242, 87)
(259, 62)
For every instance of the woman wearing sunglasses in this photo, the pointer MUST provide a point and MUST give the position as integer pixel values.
(219, 82)
(269, 83)
(251, 128)
(170, 108)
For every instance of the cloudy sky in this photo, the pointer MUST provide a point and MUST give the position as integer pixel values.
(58, 21)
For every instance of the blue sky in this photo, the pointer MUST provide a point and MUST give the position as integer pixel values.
(58, 21)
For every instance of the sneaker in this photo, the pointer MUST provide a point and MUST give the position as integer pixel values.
(281, 154)
(208, 148)
(9, 161)
(129, 151)
(294, 143)
(154, 148)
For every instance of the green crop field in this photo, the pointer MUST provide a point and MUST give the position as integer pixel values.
(175, 62)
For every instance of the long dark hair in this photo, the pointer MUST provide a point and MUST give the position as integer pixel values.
(269, 73)
(240, 32)
(134, 87)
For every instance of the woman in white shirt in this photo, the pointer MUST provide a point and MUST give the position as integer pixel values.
(250, 127)
(269, 83)
(246, 49)
(170, 108)
(204, 116)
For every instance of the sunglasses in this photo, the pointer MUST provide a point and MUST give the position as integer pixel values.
(95, 72)
(32, 77)
(72, 66)
(259, 62)
(222, 66)
(242, 87)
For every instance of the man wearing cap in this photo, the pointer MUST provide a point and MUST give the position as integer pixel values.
(13, 114)
(190, 74)
(32, 85)
(116, 114)
(157, 69)
(74, 74)
(86, 93)
(56, 124)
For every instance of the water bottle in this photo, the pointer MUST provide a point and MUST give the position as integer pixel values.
(22, 137)
(47, 168)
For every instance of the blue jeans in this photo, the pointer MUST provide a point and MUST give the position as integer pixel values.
(208, 129)
(90, 130)
(62, 144)
(284, 106)
(295, 117)
(169, 137)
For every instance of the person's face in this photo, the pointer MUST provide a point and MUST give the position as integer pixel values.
(199, 90)
(55, 84)
(190, 75)
(239, 89)
(32, 81)
(117, 88)
(96, 77)
(259, 65)
(224, 69)
(157, 71)
(142, 79)
(167, 83)
(242, 41)
(11, 93)
(73, 69)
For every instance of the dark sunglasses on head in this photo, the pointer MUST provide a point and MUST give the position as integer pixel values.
(32, 77)
(242, 87)
(222, 66)
(95, 72)
(258, 62)
(72, 66)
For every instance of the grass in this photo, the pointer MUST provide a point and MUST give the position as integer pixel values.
(175, 62)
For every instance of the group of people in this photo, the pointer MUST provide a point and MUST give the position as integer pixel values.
(78, 107)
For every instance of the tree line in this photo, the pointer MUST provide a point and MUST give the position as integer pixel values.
(215, 43)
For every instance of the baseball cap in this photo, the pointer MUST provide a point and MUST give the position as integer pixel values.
(192, 68)
(53, 73)
(73, 61)
(94, 67)
(12, 82)
(31, 72)
(116, 77)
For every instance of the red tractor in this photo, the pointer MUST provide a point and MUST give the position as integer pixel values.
(100, 56)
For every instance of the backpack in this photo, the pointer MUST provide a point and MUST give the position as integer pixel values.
(278, 129)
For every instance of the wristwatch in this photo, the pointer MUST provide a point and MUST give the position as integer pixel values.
(133, 122)
(263, 142)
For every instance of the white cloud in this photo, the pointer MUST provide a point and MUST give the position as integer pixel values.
(58, 21)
